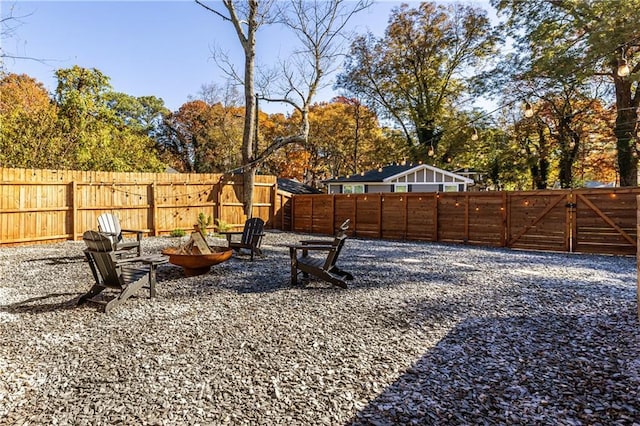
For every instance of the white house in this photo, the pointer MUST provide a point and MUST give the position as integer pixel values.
(400, 178)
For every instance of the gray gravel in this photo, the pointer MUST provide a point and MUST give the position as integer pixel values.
(426, 334)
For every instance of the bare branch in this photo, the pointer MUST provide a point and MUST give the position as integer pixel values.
(210, 9)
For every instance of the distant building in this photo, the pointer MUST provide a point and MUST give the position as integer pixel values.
(400, 178)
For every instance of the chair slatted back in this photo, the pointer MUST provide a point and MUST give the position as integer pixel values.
(336, 248)
(110, 224)
(252, 228)
(100, 248)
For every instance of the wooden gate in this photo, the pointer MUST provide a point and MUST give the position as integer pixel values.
(604, 221)
(539, 220)
(584, 221)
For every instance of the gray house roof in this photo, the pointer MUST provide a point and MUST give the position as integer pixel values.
(295, 187)
(387, 173)
(374, 175)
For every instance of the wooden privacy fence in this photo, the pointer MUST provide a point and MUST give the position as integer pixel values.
(590, 221)
(53, 205)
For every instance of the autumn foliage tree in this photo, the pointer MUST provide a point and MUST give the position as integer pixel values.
(585, 41)
(29, 136)
(85, 126)
(98, 133)
(203, 138)
(344, 138)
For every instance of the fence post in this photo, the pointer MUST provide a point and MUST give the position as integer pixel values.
(293, 213)
(405, 230)
(638, 252)
(333, 213)
(218, 199)
(379, 216)
(154, 209)
(436, 196)
(466, 218)
(503, 208)
(571, 225)
(74, 210)
(507, 211)
(274, 196)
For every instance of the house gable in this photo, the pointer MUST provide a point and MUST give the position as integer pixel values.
(427, 174)
(400, 178)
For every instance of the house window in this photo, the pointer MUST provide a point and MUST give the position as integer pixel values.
(400, 188)
(450, 188)
(353, 189)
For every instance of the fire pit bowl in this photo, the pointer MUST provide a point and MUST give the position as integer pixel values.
(197, 264)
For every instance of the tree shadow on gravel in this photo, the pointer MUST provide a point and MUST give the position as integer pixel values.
(34, 305)
(551, 369)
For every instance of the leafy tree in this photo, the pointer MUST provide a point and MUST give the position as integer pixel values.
(28, 133)
(104, 130)
(203, 138)
(585, 40)
(415, 73)
(142, 115)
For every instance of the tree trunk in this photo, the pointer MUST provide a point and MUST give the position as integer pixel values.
(250, 115)
(540, 170)
(625, 125)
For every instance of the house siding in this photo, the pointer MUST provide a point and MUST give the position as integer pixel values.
(423, 178)
(371, 189)
(425, 187)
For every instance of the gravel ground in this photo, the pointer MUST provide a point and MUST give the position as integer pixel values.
(426, 334)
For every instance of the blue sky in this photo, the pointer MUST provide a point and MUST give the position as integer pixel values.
(159, 48)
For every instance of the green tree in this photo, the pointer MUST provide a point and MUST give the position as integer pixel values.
(104, 130)
(415, 73)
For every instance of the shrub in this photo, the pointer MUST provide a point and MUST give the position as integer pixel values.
(203, 222)
(222, 225)
(178, 233)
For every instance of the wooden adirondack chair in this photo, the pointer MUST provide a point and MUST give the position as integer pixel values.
(127, 275)
(250, 237)
(323, 268)
(109, 224)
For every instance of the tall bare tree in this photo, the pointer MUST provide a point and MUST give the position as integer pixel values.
(320, 29)
(246, 17)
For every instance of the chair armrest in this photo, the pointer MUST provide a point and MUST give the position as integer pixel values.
(317, 242)
(151, 260)
(230, 234)
(308, 247)
(134, 231)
